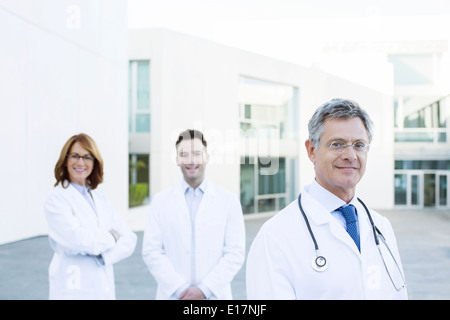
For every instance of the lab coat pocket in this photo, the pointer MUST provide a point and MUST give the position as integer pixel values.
(75, 277)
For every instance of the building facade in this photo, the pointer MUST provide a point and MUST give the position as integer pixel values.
(254, 111)
(421, 124)
(76, 68)
(421, 108)
(64, 70)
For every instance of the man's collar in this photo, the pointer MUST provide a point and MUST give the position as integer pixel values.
(202, 187)
(329, 200)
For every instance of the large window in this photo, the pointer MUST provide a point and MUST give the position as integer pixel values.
(267, 106)
(269, 158)
(262, 192)
(139, 133)
(422, 164)
(416, 122)
(139, 97)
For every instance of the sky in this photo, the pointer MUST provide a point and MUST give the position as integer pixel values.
(295, 30)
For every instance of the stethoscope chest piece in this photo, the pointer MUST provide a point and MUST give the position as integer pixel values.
(319, 263)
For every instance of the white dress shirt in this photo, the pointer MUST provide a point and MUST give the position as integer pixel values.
(332, 203)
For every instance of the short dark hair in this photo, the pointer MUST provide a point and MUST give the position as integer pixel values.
(191, 134)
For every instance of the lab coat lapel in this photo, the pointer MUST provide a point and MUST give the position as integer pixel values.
(314, 210)
(79, 202)
(207, 201)
(180, 201)
(100, 207)
(321, 217)
(365, 228)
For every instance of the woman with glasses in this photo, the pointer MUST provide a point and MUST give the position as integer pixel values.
(327, 244)
(85, 232)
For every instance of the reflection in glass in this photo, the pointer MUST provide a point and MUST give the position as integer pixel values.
(266, 205)
(414, 189)
(247, 186)
(139, 179)
(429, 190)
(139, 132)
(268, 117)
(400, 189)
(442, 190)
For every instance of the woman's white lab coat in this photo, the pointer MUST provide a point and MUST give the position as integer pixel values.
(219, 241)
(78, 235)
(279, 263)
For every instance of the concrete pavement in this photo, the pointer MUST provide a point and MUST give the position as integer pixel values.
(423, 238)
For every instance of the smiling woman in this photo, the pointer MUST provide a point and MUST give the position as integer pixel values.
(85, 232)
(69, 168)
(79, 171)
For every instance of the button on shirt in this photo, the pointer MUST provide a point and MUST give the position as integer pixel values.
(193, 198)
(332, 203)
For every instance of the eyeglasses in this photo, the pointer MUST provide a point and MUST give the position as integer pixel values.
(75, 157)
(339, 146)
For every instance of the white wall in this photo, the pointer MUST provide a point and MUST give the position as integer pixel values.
(64, 70)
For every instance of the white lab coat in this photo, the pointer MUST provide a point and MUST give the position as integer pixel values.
(219, 241)
(279, 263)
(77, 235)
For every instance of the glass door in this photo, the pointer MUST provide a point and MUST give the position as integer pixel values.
(408, 189)
(436, 193)
(429, 192)
(442, 190)
(400, 185)
(414, 190)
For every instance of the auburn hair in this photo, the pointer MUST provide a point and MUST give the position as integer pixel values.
(61, 172)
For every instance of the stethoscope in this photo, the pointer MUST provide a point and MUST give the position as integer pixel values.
(319, 263)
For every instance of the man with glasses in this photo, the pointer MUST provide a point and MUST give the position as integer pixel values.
(326, 244)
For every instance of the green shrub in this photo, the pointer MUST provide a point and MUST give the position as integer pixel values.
(137, 194)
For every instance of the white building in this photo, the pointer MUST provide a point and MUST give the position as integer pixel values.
(63, 71)
(75, 68)
(421, 107)
(249, 107)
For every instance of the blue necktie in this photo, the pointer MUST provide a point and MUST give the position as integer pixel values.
(348, 211)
